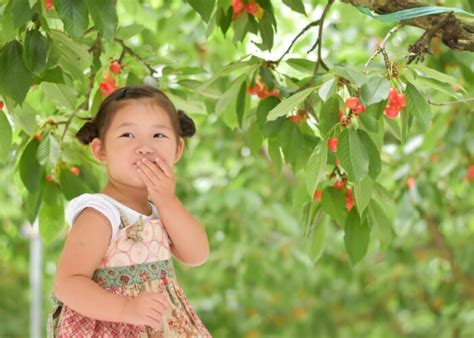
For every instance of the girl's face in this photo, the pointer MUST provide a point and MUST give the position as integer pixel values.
(139, 129)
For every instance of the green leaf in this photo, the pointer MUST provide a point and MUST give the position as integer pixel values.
(20, 11)
(64, 96)
(302, 65)
(73, 185)
(49, 151)
(73, 57)
(328, 89)
(255, 138)
(35, 53)
(319, 236)
(25, 118)
(51, 213)
(230, 94)
(104, 15)
(375, 163)
(375, 89)
(296, 5)
(245, 67)
(434, 74)
(363, 193)
(240, 27)
(5, 137)
(240, 104)
(328, 116)
(356, 237)
(275, 153)
(418, 107)
(288, 104)
(266, 32)
(203, 7)
(379, 221)
(15, 78)
(351, 74)
(333, 203)
(74, 15)
(353, 155)
(30, 169)
(291, 140)
(126, 32)
(316, 167)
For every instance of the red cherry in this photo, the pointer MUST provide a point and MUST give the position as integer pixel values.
(115, 67)
(49, 178)
(352, 102)
(237, 8)
(402, 101)
(75, 171)
(317, 195)
(1, 105)
(470, 173)
(49, 4)
(263, 93)
(410, 182)
(38, 136)
(349, 199)
(359, 109)
(251, 8)
(339, 185)
(392, 94)
(253, 90)
(275, 92)
(391, 112)
(108, 85)
(332, 144)
(343, 119)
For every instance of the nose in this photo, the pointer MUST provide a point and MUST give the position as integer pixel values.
(144, 150)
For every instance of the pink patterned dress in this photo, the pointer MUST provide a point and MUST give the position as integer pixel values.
(139, 259)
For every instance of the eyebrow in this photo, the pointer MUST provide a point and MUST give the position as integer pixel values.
(128, 124)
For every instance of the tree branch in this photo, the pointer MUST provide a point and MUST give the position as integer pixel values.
(458, 34)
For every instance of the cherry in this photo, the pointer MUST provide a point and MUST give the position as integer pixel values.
(359, 109)
(38, 136)
(391, 112)
(339, 185)
(299, 117)
(1, 105)
(253, 90)
(108, 85)
(343, 119)
(317, 195)
(115, 67)
(254, 9)
(49, 178)
(237, 8)
(470, 173)
(332, 144)
(49, 4)
(352, 102)
(410, 182)
(349, 199)
(75, 171)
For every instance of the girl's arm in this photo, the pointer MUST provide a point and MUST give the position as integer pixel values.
(190, 243)
(83, 251)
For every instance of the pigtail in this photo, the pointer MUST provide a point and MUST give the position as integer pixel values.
(88, 132)
(187, 126)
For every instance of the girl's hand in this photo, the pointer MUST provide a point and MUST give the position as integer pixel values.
(145, 309)
(159, 180)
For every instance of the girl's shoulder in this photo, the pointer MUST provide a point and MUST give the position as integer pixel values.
(98, 202)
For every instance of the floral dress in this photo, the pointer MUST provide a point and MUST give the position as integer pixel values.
(138, 260)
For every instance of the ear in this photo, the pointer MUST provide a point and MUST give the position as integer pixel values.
(179, 149)
(98, 149)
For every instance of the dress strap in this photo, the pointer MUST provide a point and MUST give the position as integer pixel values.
(134, 231)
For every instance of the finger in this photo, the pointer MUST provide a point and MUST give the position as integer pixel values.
(165, 167)
(148, 182)
(154, 169)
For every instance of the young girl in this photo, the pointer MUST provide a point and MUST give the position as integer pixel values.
(115, 276)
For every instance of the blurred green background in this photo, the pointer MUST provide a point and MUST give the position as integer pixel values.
(263, 277)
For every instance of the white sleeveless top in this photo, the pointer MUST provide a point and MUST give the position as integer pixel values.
(107, 206)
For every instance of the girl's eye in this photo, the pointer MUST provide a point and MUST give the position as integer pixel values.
(126, 134)
(162, 135)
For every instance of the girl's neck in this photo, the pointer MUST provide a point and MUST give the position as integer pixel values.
(134, 198)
